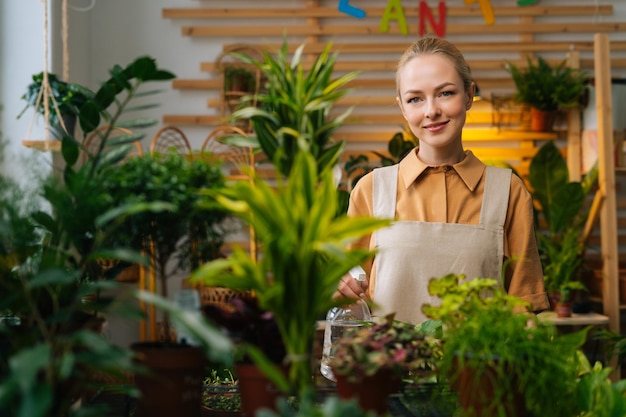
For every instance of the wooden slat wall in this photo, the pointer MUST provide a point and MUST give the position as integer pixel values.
(552, 29)
(516, 32)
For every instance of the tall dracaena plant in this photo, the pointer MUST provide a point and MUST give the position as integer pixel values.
(293, 108)
(305, 253)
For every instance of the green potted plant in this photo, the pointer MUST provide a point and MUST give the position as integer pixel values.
(546, 89)
(239, 79)
(303, 254)
(251, 329)
(221, 396)
(293, 110)
(562, 206)
(184, 224)
(64, 101)
(501, 360)
(369, 362)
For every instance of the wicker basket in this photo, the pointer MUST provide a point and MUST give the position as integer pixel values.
(219, 296)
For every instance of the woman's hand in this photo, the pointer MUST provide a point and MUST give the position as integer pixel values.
(349, 287)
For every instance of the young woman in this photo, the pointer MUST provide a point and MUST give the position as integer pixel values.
(453, 213)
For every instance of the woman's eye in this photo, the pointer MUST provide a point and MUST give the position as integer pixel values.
(414, 100)
(447, 93)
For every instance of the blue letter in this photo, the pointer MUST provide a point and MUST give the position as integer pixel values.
(344, 7)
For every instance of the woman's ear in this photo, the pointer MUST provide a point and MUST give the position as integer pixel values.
(399, 102)
(470, 96)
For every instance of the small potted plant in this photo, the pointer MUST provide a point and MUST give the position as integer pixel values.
(239, 79)
(547, 89)
(499, 358)
(221, 396)
(253, 330)
(370, 362)
(64, 101)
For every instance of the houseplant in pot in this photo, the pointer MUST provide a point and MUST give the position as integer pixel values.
(563, 207)
(64, 102)
(221, 397)
(370, 362)
(304, 254)
(500, 359)
(254, 332)
(547, 89)
(171, 181)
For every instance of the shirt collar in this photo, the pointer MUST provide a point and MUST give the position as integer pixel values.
(470, 169)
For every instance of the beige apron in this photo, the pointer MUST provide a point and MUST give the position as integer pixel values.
(410, 253)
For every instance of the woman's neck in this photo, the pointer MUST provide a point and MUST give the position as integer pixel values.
(438, 157)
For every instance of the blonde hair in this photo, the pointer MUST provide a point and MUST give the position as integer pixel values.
(432, 45)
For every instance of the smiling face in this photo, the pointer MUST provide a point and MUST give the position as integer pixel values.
(434, 101)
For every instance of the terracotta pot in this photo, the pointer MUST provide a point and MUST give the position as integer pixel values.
(372, 393)
(563, 309)
(174, 385)
(541, 120)
(477, 395)
(256, 389)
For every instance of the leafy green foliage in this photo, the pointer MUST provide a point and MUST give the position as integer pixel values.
(304, 253)
(548, 88)
(293, 112)
(50, 354)
(563, 206)
(187, 225)
(487, 331)
(597, 395)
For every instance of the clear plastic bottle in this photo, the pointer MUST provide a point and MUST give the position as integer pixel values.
(338, 321)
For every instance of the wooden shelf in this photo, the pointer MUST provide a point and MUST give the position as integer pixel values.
(43, 145)
(588, 319)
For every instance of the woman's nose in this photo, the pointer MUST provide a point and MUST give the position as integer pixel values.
(432, 109)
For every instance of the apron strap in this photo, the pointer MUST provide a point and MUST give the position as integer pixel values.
(496, 195)
(384, 191)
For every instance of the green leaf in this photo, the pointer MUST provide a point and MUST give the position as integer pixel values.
(566, 205)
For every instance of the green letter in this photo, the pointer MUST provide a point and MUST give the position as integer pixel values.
(394, 11)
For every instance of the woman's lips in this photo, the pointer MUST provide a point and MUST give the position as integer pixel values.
(435, 127)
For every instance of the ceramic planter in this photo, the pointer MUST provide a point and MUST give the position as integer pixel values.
(174, 385)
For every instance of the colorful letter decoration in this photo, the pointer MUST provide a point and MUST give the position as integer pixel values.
(395, 11)
(345, 7)
(485, 7)
(426, 13)
(523, 3)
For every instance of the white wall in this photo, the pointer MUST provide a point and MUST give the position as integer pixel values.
(21, 55)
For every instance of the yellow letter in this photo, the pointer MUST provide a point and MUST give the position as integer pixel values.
(394, 11)
(485, 7)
